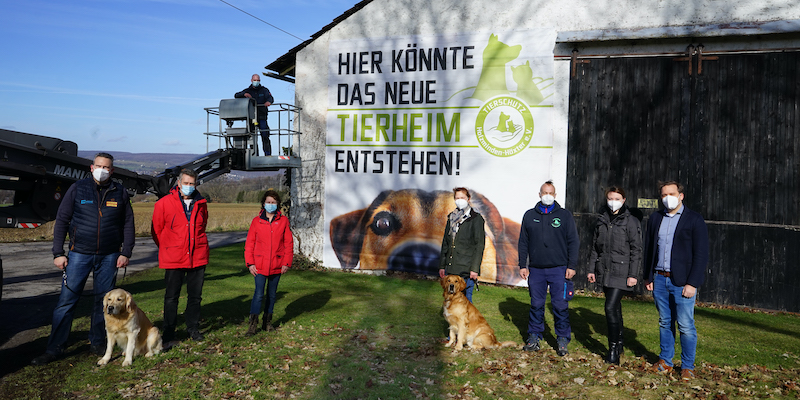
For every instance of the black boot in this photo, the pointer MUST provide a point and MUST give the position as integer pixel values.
(613, 338)
(266, 324)
(168, 335)
(620, 349)
(613, 352)
(253, 328)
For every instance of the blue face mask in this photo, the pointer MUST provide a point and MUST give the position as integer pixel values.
(270, 208)
(256, 83)
(187, 190)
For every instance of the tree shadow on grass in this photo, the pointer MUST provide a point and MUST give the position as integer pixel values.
(135, 288)
(158, 283)
(635, 346)
(732, 319)
(585, 321)
(219, 314)
(222, 277)
(307, 303)
(517, 312)
(16, 358)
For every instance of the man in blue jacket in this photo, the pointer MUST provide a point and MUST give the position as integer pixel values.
(548, 253)
(98, 215)
(676, 254)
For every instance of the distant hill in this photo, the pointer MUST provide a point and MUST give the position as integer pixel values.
(143, 163)
(154, 163)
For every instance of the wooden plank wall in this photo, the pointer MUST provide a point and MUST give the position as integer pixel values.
(730, 135)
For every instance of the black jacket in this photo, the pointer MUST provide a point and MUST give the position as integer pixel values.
(616, 249)
(99, 219)
(261, 94)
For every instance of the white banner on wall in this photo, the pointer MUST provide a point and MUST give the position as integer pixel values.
(409, 119)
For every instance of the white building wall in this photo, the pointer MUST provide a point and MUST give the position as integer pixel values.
(586, 21)
(311, 91)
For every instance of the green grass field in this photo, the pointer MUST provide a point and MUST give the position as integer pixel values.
(222, 217)
(356, 336)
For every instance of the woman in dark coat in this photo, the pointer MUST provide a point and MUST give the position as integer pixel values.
(616, 262)
(463, 242)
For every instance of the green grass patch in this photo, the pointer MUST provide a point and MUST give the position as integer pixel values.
(356, 336)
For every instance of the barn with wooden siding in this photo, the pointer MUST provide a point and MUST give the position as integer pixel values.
(703, 92)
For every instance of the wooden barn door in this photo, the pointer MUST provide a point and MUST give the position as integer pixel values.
(727, 127)
(627, 120)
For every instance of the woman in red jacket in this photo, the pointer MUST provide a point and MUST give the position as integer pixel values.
(268, 253)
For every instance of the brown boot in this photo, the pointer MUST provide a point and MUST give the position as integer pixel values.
(266, 324)
(253, 328)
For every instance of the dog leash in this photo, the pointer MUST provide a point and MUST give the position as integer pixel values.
(116, 273)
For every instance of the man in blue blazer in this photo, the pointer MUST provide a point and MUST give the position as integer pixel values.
(676, 254)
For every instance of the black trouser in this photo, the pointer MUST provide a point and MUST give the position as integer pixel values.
(614, 313)
(174, 279)
(263, 127)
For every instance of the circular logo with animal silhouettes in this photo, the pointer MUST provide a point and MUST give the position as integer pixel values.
(504, 126)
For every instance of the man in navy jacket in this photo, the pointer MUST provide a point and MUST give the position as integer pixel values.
(548, 253)
(97, 214)
(263, 100)
(676, 254)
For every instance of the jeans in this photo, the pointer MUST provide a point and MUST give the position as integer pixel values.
(174, 279)
(538, 281)
(469, 289)
(672, 308)
(104, 271)
(271, 283)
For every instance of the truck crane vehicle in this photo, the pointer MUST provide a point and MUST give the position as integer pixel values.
(40, 169)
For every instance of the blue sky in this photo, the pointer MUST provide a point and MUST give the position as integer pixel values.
(135, 75)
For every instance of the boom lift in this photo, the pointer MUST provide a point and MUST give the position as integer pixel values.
(40, 169)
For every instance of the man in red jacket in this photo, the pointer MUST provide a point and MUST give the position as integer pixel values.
(179, 230)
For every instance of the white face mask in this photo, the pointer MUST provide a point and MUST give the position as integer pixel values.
(100, 174)
(614, 205)
(548, 199)
(256, 83)
(461, 203)
(671, 202)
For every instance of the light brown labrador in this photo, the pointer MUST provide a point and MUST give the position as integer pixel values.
(467, 325)
(127, 326)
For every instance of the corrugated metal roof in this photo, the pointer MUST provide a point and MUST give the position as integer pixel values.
(284, 66)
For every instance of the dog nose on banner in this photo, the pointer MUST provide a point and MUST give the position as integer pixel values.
(419, 258)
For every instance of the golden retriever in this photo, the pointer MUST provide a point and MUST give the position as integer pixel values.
(467, 325)
(127, 326)
(402, 230)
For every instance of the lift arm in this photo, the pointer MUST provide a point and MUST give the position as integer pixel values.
(40, 169)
